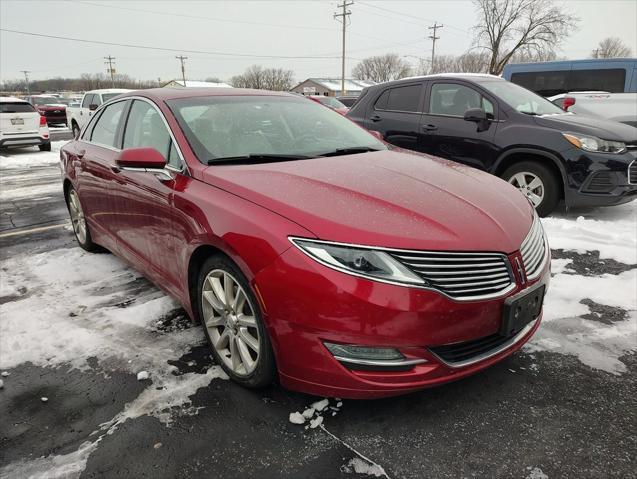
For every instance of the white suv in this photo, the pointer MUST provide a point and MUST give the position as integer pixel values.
(22, 125)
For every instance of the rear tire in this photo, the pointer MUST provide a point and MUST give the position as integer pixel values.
(45, 147)
(78, 221)
(536, 182)
(233, 324)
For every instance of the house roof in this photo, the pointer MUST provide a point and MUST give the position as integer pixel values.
(334, 84)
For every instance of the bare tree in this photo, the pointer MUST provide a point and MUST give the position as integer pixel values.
(611, 47)
(261, 78)
(506, 26)
(382, 68)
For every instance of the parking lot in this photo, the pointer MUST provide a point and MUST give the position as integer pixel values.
(76, 329)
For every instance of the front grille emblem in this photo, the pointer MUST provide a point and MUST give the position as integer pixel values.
(518, 266)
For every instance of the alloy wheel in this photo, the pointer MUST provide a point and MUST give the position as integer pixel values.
(230, 321)
(530, 185)
(77, 217)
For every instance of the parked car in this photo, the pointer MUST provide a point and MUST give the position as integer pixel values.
(621, 107)
(306, 247)
(50, 108)
(614, 75)
(330, 102)
(22, 125)
(348, 101)
(509, 131)
(78, 117)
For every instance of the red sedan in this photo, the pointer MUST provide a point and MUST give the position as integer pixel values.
(308, 249)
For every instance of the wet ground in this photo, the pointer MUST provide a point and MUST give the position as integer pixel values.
(549, 411)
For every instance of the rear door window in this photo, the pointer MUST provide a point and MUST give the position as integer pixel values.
(105, 129)
(405, 98)
(16, 107)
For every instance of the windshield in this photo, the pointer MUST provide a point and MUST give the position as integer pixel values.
(231, 126)
(331, 102)
(521, 99)
(45, 100)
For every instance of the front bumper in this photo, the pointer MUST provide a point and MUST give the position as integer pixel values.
(598, 179)
(306, 304)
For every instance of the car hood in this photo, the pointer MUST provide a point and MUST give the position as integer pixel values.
(390, 198)
(605, 129)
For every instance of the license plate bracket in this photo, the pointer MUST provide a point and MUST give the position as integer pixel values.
(521, 309)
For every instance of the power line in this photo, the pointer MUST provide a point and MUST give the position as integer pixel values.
(344, 16)
(164, 49)
(26, 79)
(109, 61)
(181, 58)
(433, 37)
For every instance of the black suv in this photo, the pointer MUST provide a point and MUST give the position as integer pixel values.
(500, 127)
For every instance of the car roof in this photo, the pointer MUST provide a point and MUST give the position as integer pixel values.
(163, 94)
(12, 99)
(443, 76)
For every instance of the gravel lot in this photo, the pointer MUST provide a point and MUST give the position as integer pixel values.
(76, 329)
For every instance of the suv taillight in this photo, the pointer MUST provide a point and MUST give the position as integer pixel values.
(42, 121)
(568, 102)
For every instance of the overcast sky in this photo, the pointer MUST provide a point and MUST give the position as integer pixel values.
(231, 35)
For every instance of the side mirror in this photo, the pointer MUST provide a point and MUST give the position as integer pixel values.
(377, 134)
(92, 107)
(143, 158)
(476, 115)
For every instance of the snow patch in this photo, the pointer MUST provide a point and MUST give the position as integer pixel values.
(358, 466)
(142, 375)
(536, 473)
(297, 418)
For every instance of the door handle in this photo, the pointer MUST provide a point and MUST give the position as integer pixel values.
(375, 118)
(429, 127)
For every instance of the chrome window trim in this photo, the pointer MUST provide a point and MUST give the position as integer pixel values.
(628, 169)
(482, 297)
(488, 354)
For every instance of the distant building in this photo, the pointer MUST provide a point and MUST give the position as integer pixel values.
(195, 84)
(331, 86)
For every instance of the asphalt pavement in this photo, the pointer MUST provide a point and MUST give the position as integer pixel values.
(535, 415)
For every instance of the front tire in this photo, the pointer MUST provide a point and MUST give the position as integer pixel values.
(78, 220)
(45, 147)
(537, 182)
(76, 130)
(233, 324)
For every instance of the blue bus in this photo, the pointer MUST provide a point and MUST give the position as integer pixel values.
(613, 75)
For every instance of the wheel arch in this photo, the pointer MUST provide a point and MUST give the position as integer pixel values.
(515, 155)
(197, 257)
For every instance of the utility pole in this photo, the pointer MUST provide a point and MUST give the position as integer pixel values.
(181, 58)
(344, 17)
(26, 79)
(433, 47)
(111, 71)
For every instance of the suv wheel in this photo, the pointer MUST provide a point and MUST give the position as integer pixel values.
(76, 131)
(232, 322)
(537, 182)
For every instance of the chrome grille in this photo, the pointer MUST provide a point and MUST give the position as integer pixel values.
(460, 275)
(533, 250)
(632, 173)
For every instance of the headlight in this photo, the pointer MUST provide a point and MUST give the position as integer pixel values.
(591, 143)
(358, 261)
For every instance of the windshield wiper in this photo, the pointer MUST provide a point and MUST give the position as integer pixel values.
(257, 157)
(349, 151)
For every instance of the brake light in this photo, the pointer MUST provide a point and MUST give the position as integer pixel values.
(42, 121)
(568, 102)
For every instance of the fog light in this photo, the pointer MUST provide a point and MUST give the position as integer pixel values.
(348, 351)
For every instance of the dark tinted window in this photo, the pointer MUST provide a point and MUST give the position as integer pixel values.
(88, 100)
(381, 103)
(543, 83)
(405, 98)
(16, 107)
(453, 99)
(105, 130)
(610, 80)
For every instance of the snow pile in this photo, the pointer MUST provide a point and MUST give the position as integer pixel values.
(314, 413)
(536, 473)
(359, 466)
